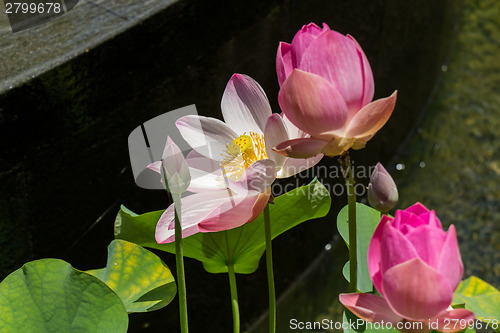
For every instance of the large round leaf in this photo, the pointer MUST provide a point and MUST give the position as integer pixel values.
(138, 276)
(242, 246)
(50, 296)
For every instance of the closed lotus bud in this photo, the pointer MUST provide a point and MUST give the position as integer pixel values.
(382, 191)
(173, 169)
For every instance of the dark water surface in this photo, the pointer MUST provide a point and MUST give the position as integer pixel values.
(64, 166)
(453, 163)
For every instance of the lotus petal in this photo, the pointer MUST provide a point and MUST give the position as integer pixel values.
(369, 307)
(300, 148)
(371, 117)
(313, 104)
(416, 291)
(244, 105)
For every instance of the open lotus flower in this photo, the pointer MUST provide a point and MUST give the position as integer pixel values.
(326, 91)
(416, 266)
(232, 165)
(249, 132)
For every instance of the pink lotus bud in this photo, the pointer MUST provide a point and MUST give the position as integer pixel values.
(416, 266)
(382, 191)
(326, 91)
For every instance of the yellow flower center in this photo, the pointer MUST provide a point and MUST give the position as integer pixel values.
(240, 144)
(241, 153)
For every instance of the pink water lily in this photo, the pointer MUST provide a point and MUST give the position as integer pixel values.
(326, 91)
(232, 164)
(416, 266)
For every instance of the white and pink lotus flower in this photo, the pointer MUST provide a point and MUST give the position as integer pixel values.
(232, 164)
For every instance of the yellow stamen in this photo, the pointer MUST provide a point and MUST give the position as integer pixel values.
(241, 153)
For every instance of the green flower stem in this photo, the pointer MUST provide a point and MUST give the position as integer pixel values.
(345, 161)
(270, 272)
(179, 262)
(234, 298)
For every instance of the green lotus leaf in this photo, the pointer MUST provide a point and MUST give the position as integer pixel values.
(481, 298)
(48, 295)
(138, 276)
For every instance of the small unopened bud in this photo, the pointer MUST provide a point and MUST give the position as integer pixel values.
(173, 169)
(382, 191)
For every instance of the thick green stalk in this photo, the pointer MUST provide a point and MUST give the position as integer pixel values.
(351, 202)
(234, 298)
(179, 261)
(270, 272)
